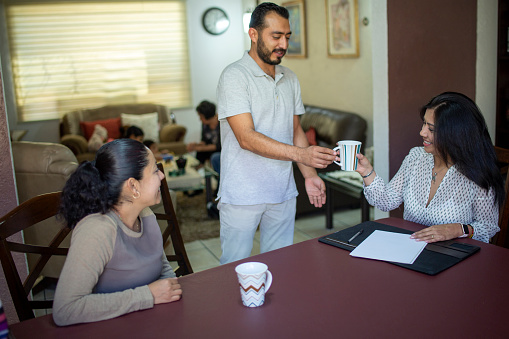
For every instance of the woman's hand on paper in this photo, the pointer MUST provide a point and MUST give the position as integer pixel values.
(438, 233)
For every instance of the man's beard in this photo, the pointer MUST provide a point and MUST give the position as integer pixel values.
(264, 53)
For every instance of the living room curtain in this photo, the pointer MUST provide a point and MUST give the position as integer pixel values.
(67, 55)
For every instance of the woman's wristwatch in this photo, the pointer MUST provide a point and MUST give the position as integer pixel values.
(466, 231)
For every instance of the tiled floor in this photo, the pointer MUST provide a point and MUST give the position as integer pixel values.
(205, 254)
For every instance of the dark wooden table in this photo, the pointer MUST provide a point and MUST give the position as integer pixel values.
(346, 188)
(320, 291)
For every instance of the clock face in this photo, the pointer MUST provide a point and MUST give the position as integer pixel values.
(215, 21)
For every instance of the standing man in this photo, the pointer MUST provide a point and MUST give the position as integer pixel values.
(258, 107)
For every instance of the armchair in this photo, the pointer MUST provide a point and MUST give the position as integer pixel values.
(40, 168)
(330, 126)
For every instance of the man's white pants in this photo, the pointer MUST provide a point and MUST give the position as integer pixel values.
(239, 224)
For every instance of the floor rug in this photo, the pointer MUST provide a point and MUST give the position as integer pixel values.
(194, 221)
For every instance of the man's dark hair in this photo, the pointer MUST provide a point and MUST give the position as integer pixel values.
(258, 16)
(207, 109)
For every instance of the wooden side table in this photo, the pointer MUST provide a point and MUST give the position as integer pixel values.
(343, 182)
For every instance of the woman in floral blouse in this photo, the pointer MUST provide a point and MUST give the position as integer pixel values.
(451, 183)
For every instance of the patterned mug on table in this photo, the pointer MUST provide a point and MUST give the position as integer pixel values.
(254, 280)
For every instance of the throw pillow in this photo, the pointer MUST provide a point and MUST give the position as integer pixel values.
(148, 122)
(111, 125)
(311, 135)
(98, 138)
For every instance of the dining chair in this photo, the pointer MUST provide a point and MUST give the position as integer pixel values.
(502, 237)
(29, 214)
(172, 230)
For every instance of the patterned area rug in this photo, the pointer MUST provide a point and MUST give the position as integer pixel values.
(194, 222)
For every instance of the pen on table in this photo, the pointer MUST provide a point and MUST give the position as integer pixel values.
(355, 235)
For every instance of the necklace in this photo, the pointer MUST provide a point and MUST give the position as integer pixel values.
(434, 176)
(136, 226)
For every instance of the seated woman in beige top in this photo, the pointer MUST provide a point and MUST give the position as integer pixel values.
(116, 263)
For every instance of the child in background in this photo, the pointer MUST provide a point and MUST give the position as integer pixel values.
(152, 145)
(135, 133)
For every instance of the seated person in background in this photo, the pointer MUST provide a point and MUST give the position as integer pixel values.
(152, 146)
(116, 263)
(452, 184)
(210, 135)
(135, 133)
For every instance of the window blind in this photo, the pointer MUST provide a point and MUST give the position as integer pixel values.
(68, 55)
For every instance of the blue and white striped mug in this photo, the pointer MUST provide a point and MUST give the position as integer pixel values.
(348, 150)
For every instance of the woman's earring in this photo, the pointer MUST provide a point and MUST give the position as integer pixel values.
(136, 196)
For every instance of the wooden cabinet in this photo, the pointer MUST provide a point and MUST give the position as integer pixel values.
(502, 130)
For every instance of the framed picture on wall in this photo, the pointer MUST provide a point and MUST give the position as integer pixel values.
(297, 44)
(342, 28)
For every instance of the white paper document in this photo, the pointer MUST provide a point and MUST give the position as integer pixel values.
(389, 246)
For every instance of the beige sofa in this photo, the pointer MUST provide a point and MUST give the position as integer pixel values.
(171, 135)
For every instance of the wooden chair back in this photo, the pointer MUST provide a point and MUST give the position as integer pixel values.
(24, 216)
(172, 230)
(502, 237)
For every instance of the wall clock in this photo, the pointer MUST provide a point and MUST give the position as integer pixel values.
(215, 21)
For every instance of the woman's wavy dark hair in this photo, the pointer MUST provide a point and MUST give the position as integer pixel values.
(462, 136)
(96, 186)
(258, 17)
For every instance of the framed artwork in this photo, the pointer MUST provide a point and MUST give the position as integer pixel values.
(342, 28)
(297, 44)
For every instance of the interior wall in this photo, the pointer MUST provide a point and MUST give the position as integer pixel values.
(486, 64)
(8, 201)
(428, 54)
(380, 69)
(209, 55)
(339, 83)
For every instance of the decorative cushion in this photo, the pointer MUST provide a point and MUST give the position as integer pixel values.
(148, 122)
(111, 125)
(311, 135)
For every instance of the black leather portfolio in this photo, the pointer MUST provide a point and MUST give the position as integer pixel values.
(435, 257)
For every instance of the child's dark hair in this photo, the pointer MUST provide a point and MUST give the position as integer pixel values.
(133, 130)
(96, 185)
(148, 143)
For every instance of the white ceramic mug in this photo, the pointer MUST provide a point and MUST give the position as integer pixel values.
(254, 280)
(348, 149)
